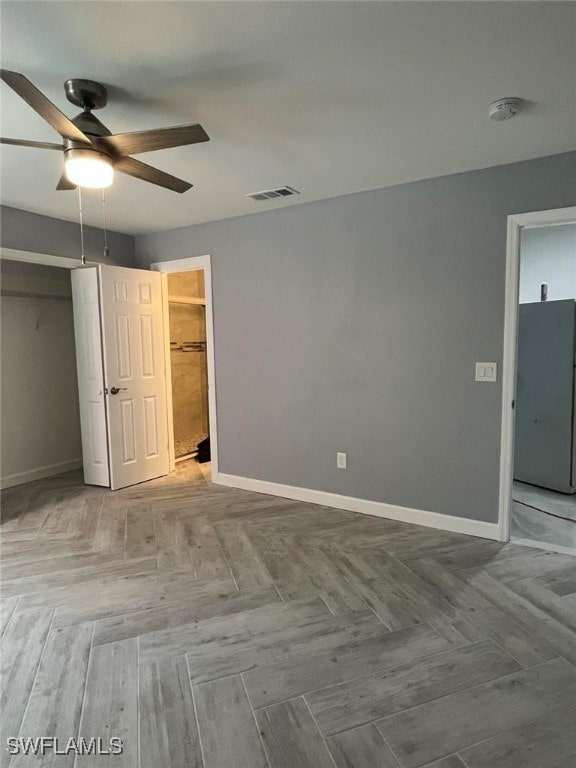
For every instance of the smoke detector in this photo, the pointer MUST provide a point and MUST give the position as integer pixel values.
(504, 109)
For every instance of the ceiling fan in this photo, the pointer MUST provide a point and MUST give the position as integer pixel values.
(91, 152)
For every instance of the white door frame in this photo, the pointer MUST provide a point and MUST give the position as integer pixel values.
(186, 265)
(516, 224)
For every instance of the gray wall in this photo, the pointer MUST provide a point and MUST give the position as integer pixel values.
(27, 231)
(353, 324)
(40, 424)
(548, 255)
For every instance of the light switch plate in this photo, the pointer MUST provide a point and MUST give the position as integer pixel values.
(486, 371)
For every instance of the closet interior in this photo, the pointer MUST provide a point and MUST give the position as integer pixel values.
(188, 362)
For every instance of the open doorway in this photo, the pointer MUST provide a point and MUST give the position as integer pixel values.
(189, 362)
(538, 478)
(544, 480)
(40, 433)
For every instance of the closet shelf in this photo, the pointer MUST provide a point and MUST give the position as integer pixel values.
(186, 300)
(188, 346)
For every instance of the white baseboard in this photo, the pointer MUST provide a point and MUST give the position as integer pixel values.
(377, 508)
(40, 473)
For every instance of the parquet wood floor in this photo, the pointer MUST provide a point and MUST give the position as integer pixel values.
(209, 627)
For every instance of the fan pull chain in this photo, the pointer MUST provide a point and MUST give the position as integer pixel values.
(82, 256)
(106, 252)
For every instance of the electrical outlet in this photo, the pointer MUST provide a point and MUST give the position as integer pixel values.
(341, 461)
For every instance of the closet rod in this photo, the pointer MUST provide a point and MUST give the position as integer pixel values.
(27, 295)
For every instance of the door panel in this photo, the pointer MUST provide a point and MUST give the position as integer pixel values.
(147, 336)
(122, 339)
(90, 371)
(133, 337)
(150, 427)
(128, 431)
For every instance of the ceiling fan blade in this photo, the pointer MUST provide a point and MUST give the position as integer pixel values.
(64, 183)
(161, 138)
(147, 173)
(43, 106)
(36, 144)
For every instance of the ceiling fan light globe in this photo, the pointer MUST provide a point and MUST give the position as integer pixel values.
(89, 169)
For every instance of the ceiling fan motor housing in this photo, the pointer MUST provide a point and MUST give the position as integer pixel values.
(77, 150)
(90, 125)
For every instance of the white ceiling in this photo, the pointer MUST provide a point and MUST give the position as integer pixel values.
(329, 98)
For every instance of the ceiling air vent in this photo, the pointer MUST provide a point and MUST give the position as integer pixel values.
(270, 194)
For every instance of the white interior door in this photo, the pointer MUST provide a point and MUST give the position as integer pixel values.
(90, 367)
(133, 353)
